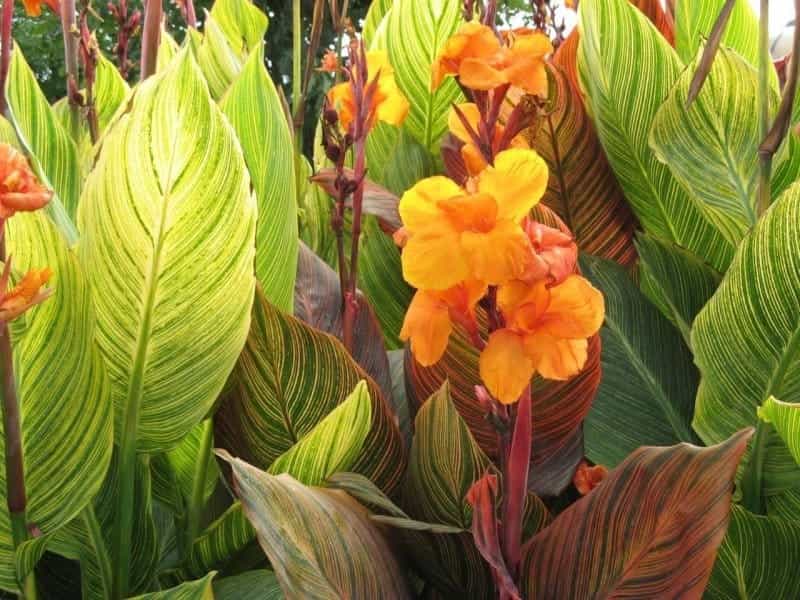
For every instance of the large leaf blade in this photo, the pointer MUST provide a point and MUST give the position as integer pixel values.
(695, 20)
(168, 229)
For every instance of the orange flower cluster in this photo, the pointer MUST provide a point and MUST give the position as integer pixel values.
(20, 191)
(33, 8)
(475, 244)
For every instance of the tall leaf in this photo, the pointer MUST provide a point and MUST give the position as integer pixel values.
(62, 388)
(193, 590)
(243, 24)
(747, 337)
(250, 585)
(254, 109)
(757, 559)
(650, 530)
(168, 227)
(626, 69)
(313, 555)
(694, 21)
(711, 147)
(271, 404)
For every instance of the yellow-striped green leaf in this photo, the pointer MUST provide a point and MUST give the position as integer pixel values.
(221, 541)
(250, 585)
(313, 555)
(757, 559)
(167, 49)
(694, 20)
(334, 443)
(254, 109)
(626, 70)
(243, 24)
(416, 31)
(675, 280)
(168, 226)
(375, 14)
(785, 417)
(62, 387)
(746, 339)
(647, 391)
(42, 134)
(271, 404)
(192, 590)
(221, 65)
(711, 147)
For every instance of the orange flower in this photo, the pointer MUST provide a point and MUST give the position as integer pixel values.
(19, 189)
(476, 56)
(546, 332)
(330, 62)
(555, 253)
(388, 104)
(470, 153)
(431, 315)
(453, 235)
(25, 294)
(587, 478)
(33, 8)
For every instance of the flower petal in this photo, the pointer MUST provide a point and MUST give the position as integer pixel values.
(505, 368)
(341, 99)
(479, 74)
(576, 309)
(427, 325)
(555, 358)
(433, 260)
(499, 255)
(456, 125)
(418, 207)
(517, 180)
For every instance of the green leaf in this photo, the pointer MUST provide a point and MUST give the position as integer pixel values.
(694, 20)
(167, 49)
(221, 541)
(254, 109)
(270, 404)
(168, 226)
(651, 529)
(193, 590)
(626, 70)
(396, 159)
(41, 133)
(757, 559)
(712, 146)
(334, 443)
(300, 530)
(243, 24)
(376, 13)
(251, 585)
(62, 388)
(220, 63)
(747, 337)
(675, 280)
(785, 417)
(649, 383)
(416, 31)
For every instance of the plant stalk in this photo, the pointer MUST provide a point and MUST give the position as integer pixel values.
(764, 65)
(351, 301)
(5, 52)
(753, 474)
(515, 483)
(199, 482)
(95, 534)
(151, 34)
(297, 70)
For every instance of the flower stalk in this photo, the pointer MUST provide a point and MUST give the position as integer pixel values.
(764, 67)
(151, 34)
(5, 52)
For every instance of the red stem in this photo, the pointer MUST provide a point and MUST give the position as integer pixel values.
(515, 482)
(150, 37)
(351, 303)
(5, 51)
(191, 16)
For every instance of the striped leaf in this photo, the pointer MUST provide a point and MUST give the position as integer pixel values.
(243, 24)
(300, 530)
(254, 109)
(746, 338)
(333, 445)
(785, 417)
(219, 543)
(250, 585)
(757, 559)
(582, 188)
(271, 404)
(220, 63)
(626, 69)
(167, 49)
(62, 387)
(193, 590)
(650, 530)
(711, 147)
(318, 302)
(168, 229)
(415, 32)
(378, 9)
(41, 132)
(675, 280)
(695, 19)
(649, 383)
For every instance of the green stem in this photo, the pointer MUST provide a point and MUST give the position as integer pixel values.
(297, 69)
(124, 513)
(199, 482)
(95, 534)
(764, 66)
(753, 474)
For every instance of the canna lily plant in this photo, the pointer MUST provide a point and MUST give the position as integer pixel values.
(523, 323)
